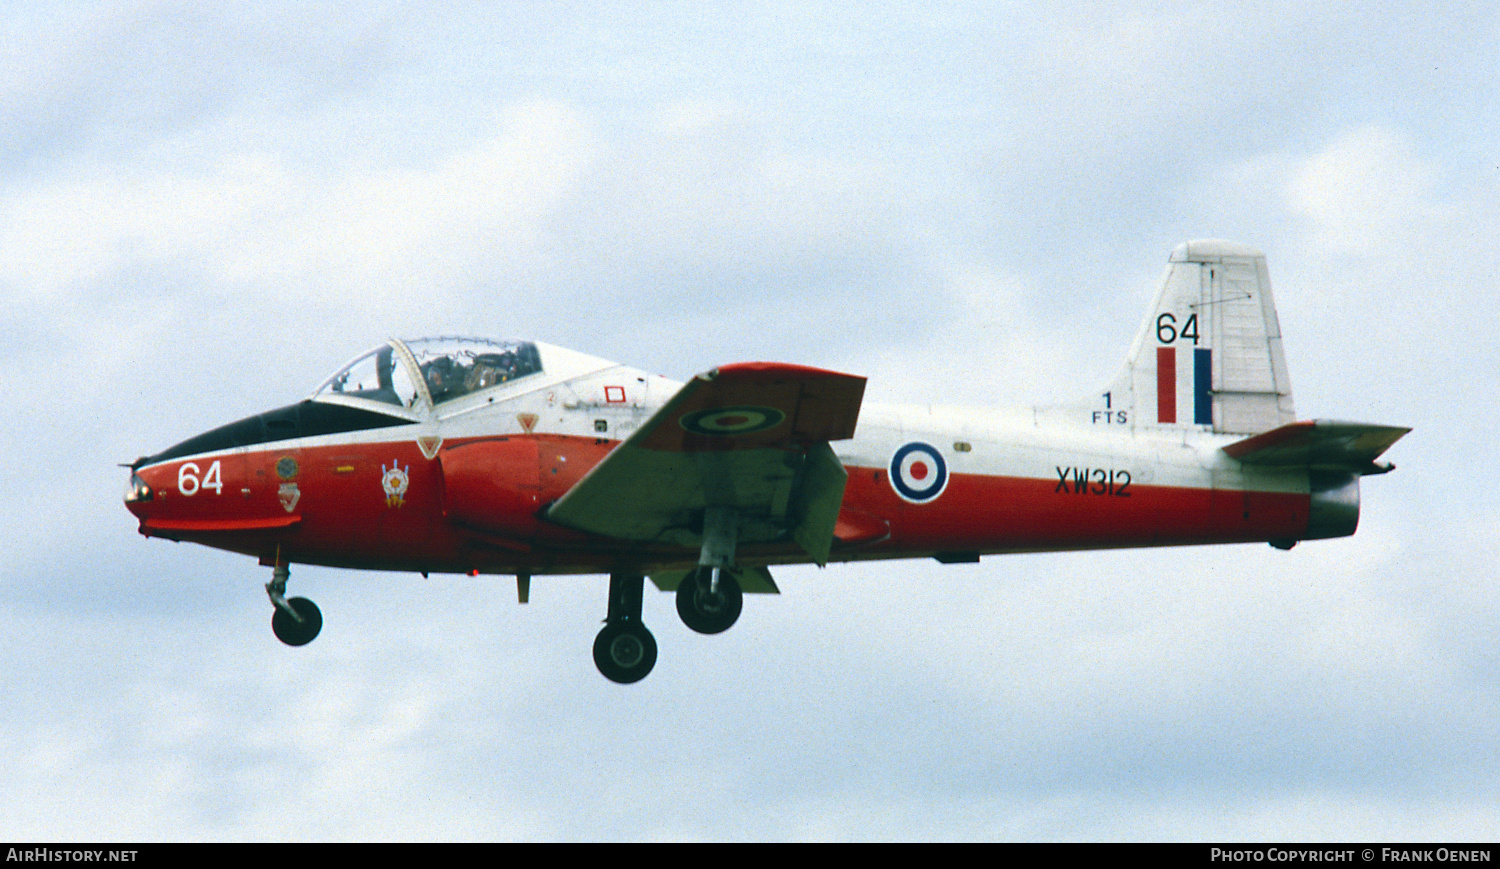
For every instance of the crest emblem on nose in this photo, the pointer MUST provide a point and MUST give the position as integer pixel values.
(394, 480)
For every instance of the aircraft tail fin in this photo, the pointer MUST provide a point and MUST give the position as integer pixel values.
(1209, 354)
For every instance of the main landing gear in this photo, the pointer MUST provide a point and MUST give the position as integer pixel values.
(625, 651)
(296, 621)
(709, 600)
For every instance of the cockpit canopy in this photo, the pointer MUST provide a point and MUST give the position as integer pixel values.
(406, 377)
(402, 382)
(455, 367)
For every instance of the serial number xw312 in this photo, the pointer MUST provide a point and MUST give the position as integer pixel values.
(1092, 481)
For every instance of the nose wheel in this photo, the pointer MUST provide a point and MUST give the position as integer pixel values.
(295, 621)
(300, 626)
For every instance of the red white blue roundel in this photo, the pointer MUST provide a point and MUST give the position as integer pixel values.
(918, 472)
(723, 421)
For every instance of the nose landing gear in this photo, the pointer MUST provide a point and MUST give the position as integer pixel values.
(296, 621)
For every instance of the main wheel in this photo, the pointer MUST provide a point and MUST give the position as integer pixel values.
(706, 609)
(295, 633)
(625, 652)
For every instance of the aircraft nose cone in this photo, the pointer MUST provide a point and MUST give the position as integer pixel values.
(137, 494)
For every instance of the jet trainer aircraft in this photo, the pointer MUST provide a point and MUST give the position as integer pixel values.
(475, 456)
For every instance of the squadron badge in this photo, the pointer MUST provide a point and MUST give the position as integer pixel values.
(289, 495)
(394, 480)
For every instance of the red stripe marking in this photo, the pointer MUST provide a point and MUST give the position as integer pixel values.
(209, 526)
(1166, 384)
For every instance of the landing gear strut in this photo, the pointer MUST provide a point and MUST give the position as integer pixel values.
(709, 599)
(296, 621)
(625, 651)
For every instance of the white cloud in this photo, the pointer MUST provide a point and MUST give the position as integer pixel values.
(248, 220)
(1366, 191)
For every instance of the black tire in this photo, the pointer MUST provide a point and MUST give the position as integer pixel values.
(295, 633)
(709, 612)
(625, 652)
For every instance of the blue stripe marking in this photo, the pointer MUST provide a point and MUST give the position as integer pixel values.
(1203, 376)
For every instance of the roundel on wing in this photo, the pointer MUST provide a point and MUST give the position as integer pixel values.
(918, 472)
(726, 421)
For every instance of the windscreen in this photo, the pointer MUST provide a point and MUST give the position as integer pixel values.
(377, 375)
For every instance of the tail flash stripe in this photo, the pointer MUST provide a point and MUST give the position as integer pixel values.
(1203, 376)
(1166, 384)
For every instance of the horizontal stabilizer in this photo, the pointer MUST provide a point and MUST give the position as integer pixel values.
(1328, 444)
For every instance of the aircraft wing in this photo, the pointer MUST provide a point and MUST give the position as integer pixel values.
(1351, 446)
(751, 436)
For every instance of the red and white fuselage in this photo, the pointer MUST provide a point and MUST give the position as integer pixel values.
(513, 457)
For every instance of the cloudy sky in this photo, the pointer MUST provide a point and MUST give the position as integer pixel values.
(204, 211)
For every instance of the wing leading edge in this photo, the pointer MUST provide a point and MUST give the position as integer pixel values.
(753, 437)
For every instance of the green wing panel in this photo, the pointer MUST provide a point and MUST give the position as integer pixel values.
(753, 437)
